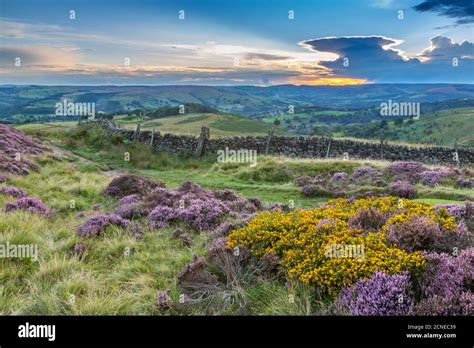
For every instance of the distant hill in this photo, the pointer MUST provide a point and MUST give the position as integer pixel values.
(20, 103)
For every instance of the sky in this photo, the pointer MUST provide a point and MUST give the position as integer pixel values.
(236, 42)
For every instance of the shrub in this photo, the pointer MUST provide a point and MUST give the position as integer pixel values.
(368, 219)
(383, 294)
(403, 189)
(406, 170)
(315, 191)
(445, 284)
(418, 233)
(301, 239)
(97, 224)
(430, 178)
(464, 182)
(303, 181)
(31, 205)
(339, 177)
(128, 184)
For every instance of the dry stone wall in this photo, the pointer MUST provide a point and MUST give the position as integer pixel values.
(299, 146)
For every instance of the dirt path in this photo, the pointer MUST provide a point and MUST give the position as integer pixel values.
(61, 153)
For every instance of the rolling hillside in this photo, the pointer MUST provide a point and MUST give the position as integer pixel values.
(220, 124)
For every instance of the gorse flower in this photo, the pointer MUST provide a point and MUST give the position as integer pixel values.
(301, 238)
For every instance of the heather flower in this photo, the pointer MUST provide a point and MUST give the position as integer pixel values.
(383, 294)
(3, 178)
(430, 177)
(403, 189)
(29, 204)
(446, 283)
(162, 216)
(133, 198)
(12, 191)
(406, 170)
(418, 233)
(202, 215)
(97, 224)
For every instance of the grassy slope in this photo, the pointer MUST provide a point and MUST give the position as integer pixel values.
(441, 128)
(190, 124)
(106, 280)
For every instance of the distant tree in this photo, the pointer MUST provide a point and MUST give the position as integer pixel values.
(383, 124)
(276, 122)
(398, 122)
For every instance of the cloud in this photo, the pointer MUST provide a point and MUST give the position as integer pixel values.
(376, 59)
(461, 10)
(36, 56)
(362, 56)
(264, 56)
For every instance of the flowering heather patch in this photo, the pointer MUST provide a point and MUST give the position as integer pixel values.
(446, 284)
(383, 294)
(133, 198)
(406, 170)
(189, 204)
(12, 191)
(430, 177)
(13, 142)
(128, 184)
(403, 189)
(3, 178)
(97, 224)
(29, 204)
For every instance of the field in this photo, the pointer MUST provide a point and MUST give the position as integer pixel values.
(220, 125)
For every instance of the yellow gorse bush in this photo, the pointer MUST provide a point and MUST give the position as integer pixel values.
(301, 239)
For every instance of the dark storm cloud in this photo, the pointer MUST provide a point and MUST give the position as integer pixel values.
(376, 59)
(461, 10)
